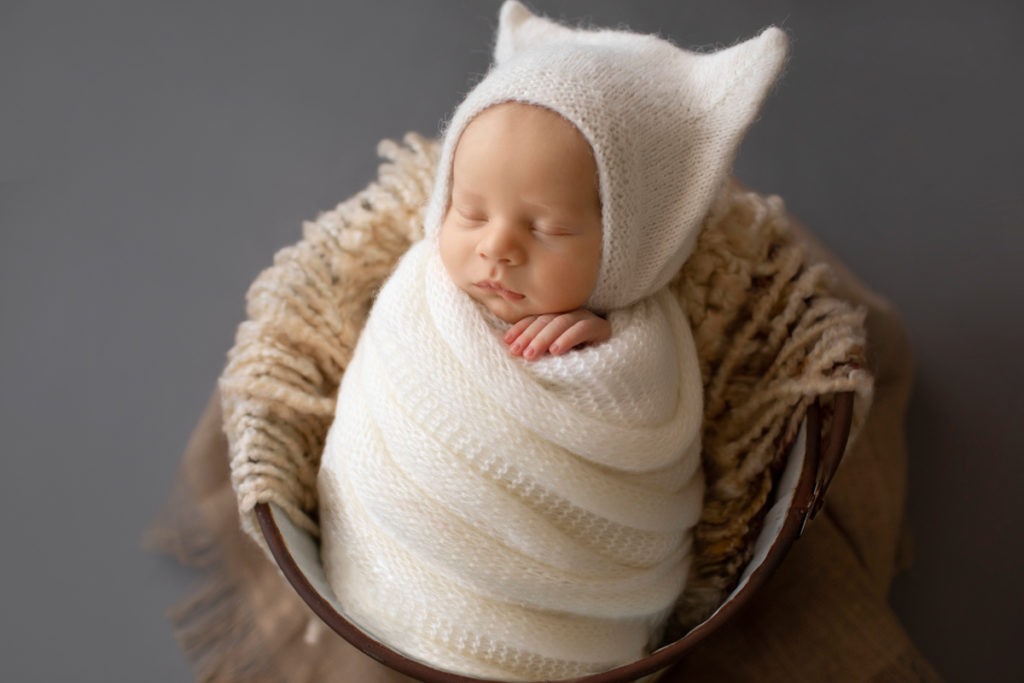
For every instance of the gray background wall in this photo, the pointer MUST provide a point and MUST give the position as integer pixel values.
(153, 156)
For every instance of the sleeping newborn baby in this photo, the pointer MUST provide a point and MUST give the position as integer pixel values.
(510, 483)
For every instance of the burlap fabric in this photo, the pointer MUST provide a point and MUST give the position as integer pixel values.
(822, 617)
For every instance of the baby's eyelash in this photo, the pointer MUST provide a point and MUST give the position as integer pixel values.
(476, 218)
(551, 231)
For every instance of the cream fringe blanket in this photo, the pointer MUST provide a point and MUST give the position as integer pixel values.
(504, 518)
(769, 336)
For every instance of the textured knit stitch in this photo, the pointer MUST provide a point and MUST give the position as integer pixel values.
(664, 124)
(537, 514)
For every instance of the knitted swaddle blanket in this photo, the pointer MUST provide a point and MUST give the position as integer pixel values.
(508, 518)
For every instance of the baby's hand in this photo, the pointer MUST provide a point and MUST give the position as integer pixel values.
(556, 333)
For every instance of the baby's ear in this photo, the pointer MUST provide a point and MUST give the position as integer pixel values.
(519, 28)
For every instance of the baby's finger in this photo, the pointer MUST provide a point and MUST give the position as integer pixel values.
(523, 341)
(570, 338)
(518, 328)
(541, 343)
(582, 332)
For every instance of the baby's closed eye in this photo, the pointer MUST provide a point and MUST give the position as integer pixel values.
(472, 216)
(552, 230)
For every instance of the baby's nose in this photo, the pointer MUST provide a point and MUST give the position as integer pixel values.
(502, 243)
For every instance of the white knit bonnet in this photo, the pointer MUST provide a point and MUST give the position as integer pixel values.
(664, 124)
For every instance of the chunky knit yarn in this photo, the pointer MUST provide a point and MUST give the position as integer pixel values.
(498, 517)
(664, 124)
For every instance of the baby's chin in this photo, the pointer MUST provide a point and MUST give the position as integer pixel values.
(506, 311)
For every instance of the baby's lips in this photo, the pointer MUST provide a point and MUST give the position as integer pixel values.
(512, 296)
(497, 288)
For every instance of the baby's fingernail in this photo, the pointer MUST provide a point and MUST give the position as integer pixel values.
(529, 352)
(555, 348)
(515, 348)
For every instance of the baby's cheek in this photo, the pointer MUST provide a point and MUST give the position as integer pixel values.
(451, 254)
(574, 285)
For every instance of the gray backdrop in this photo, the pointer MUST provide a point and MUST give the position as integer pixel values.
(153, 156)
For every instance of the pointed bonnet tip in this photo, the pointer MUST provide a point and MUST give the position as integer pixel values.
(774, 43)
(772, 35)
(511, 19)
(513, 13)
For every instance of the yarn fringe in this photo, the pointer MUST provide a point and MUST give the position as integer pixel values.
(305, 314)
(771, 340)
(213, 624)
(240, 622)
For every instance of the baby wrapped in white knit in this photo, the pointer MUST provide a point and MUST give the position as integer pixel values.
(510, 483)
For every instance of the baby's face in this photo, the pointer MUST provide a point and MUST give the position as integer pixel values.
(522, 233)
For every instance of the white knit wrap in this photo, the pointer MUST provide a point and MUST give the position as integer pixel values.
(664, 124)
(507, 518)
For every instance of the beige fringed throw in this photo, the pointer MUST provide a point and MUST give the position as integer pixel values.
(769, 338)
